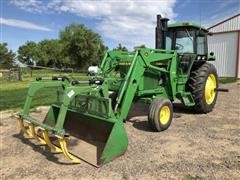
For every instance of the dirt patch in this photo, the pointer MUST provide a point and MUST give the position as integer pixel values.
(195, 146)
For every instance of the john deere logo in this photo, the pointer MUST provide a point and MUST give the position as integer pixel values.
(160, 63)
(124, 63)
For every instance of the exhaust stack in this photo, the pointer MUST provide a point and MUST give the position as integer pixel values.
(161, 31)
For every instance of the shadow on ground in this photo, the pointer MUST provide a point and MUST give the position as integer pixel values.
(141, 110)
(42, 149)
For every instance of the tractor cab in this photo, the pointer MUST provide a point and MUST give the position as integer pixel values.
(188, 39)
(190, 42)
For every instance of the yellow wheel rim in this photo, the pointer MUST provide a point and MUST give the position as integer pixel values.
(210, 86)
(164, 115)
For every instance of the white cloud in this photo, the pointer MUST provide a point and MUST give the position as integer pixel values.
(30, 5)
(22, 24)
(127, 21)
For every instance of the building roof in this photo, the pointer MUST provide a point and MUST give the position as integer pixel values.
(224, 21)
(228, 25)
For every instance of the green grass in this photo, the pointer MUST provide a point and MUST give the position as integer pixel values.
(227, 80)
(13, 93)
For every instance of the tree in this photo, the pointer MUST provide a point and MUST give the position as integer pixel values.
(138, 47)
(82, 45)
(51, 54)
(120, 47)
(28, 53)
(77, 47)
(7, 57)
(45, 53)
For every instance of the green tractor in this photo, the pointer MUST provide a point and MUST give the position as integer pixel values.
(87, 120)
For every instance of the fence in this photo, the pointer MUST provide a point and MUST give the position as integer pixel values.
(13, 74)
(31, 72)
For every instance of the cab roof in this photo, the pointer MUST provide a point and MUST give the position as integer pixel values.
(186, 24)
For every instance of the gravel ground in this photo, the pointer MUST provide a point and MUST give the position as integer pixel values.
(196, 146)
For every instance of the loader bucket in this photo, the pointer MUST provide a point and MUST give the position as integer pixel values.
(94, 139)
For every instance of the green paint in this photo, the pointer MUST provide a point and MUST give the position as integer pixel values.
(123, 78)
(138, 80)
(186, 24)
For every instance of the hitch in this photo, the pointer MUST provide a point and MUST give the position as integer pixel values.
(221, 90)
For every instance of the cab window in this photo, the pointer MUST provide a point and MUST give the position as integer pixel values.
(201, 45)
(184, 41)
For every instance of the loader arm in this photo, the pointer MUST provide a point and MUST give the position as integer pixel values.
(144, 59)
(36, 86)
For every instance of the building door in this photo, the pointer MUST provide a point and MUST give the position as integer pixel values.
(224, 47)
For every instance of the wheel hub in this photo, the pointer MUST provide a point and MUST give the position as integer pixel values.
(164, 115)
(210, 89)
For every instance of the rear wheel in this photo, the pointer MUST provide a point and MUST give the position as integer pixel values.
(202, 84)
(160, 114)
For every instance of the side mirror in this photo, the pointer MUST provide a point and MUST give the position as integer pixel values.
(211, 56)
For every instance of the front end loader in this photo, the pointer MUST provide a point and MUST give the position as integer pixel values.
(87, 121)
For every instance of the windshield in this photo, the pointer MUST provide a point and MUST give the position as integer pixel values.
(184, 41)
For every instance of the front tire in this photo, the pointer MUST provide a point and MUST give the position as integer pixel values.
(160, 114)
(202, 84)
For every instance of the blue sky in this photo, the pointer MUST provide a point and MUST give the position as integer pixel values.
(127, 22)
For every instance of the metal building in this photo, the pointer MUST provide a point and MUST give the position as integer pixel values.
(225, 43)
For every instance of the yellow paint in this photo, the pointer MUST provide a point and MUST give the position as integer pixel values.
(63, 144)
(160, 63)
(124, 63)
(30, 131)
(33, 134)
(210, 86)
(146, 54)
(164, 115)
(49, 143)
(22, 127)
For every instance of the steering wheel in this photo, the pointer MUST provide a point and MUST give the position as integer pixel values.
(179, 46)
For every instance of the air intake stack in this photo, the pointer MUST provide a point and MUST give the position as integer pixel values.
(161, 31)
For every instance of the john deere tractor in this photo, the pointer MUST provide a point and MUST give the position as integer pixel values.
(87, 120)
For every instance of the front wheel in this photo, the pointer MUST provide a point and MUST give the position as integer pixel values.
(203, 83)
(160, 114)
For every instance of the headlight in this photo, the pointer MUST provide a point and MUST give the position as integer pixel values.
(199, 58)
(204, 58)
